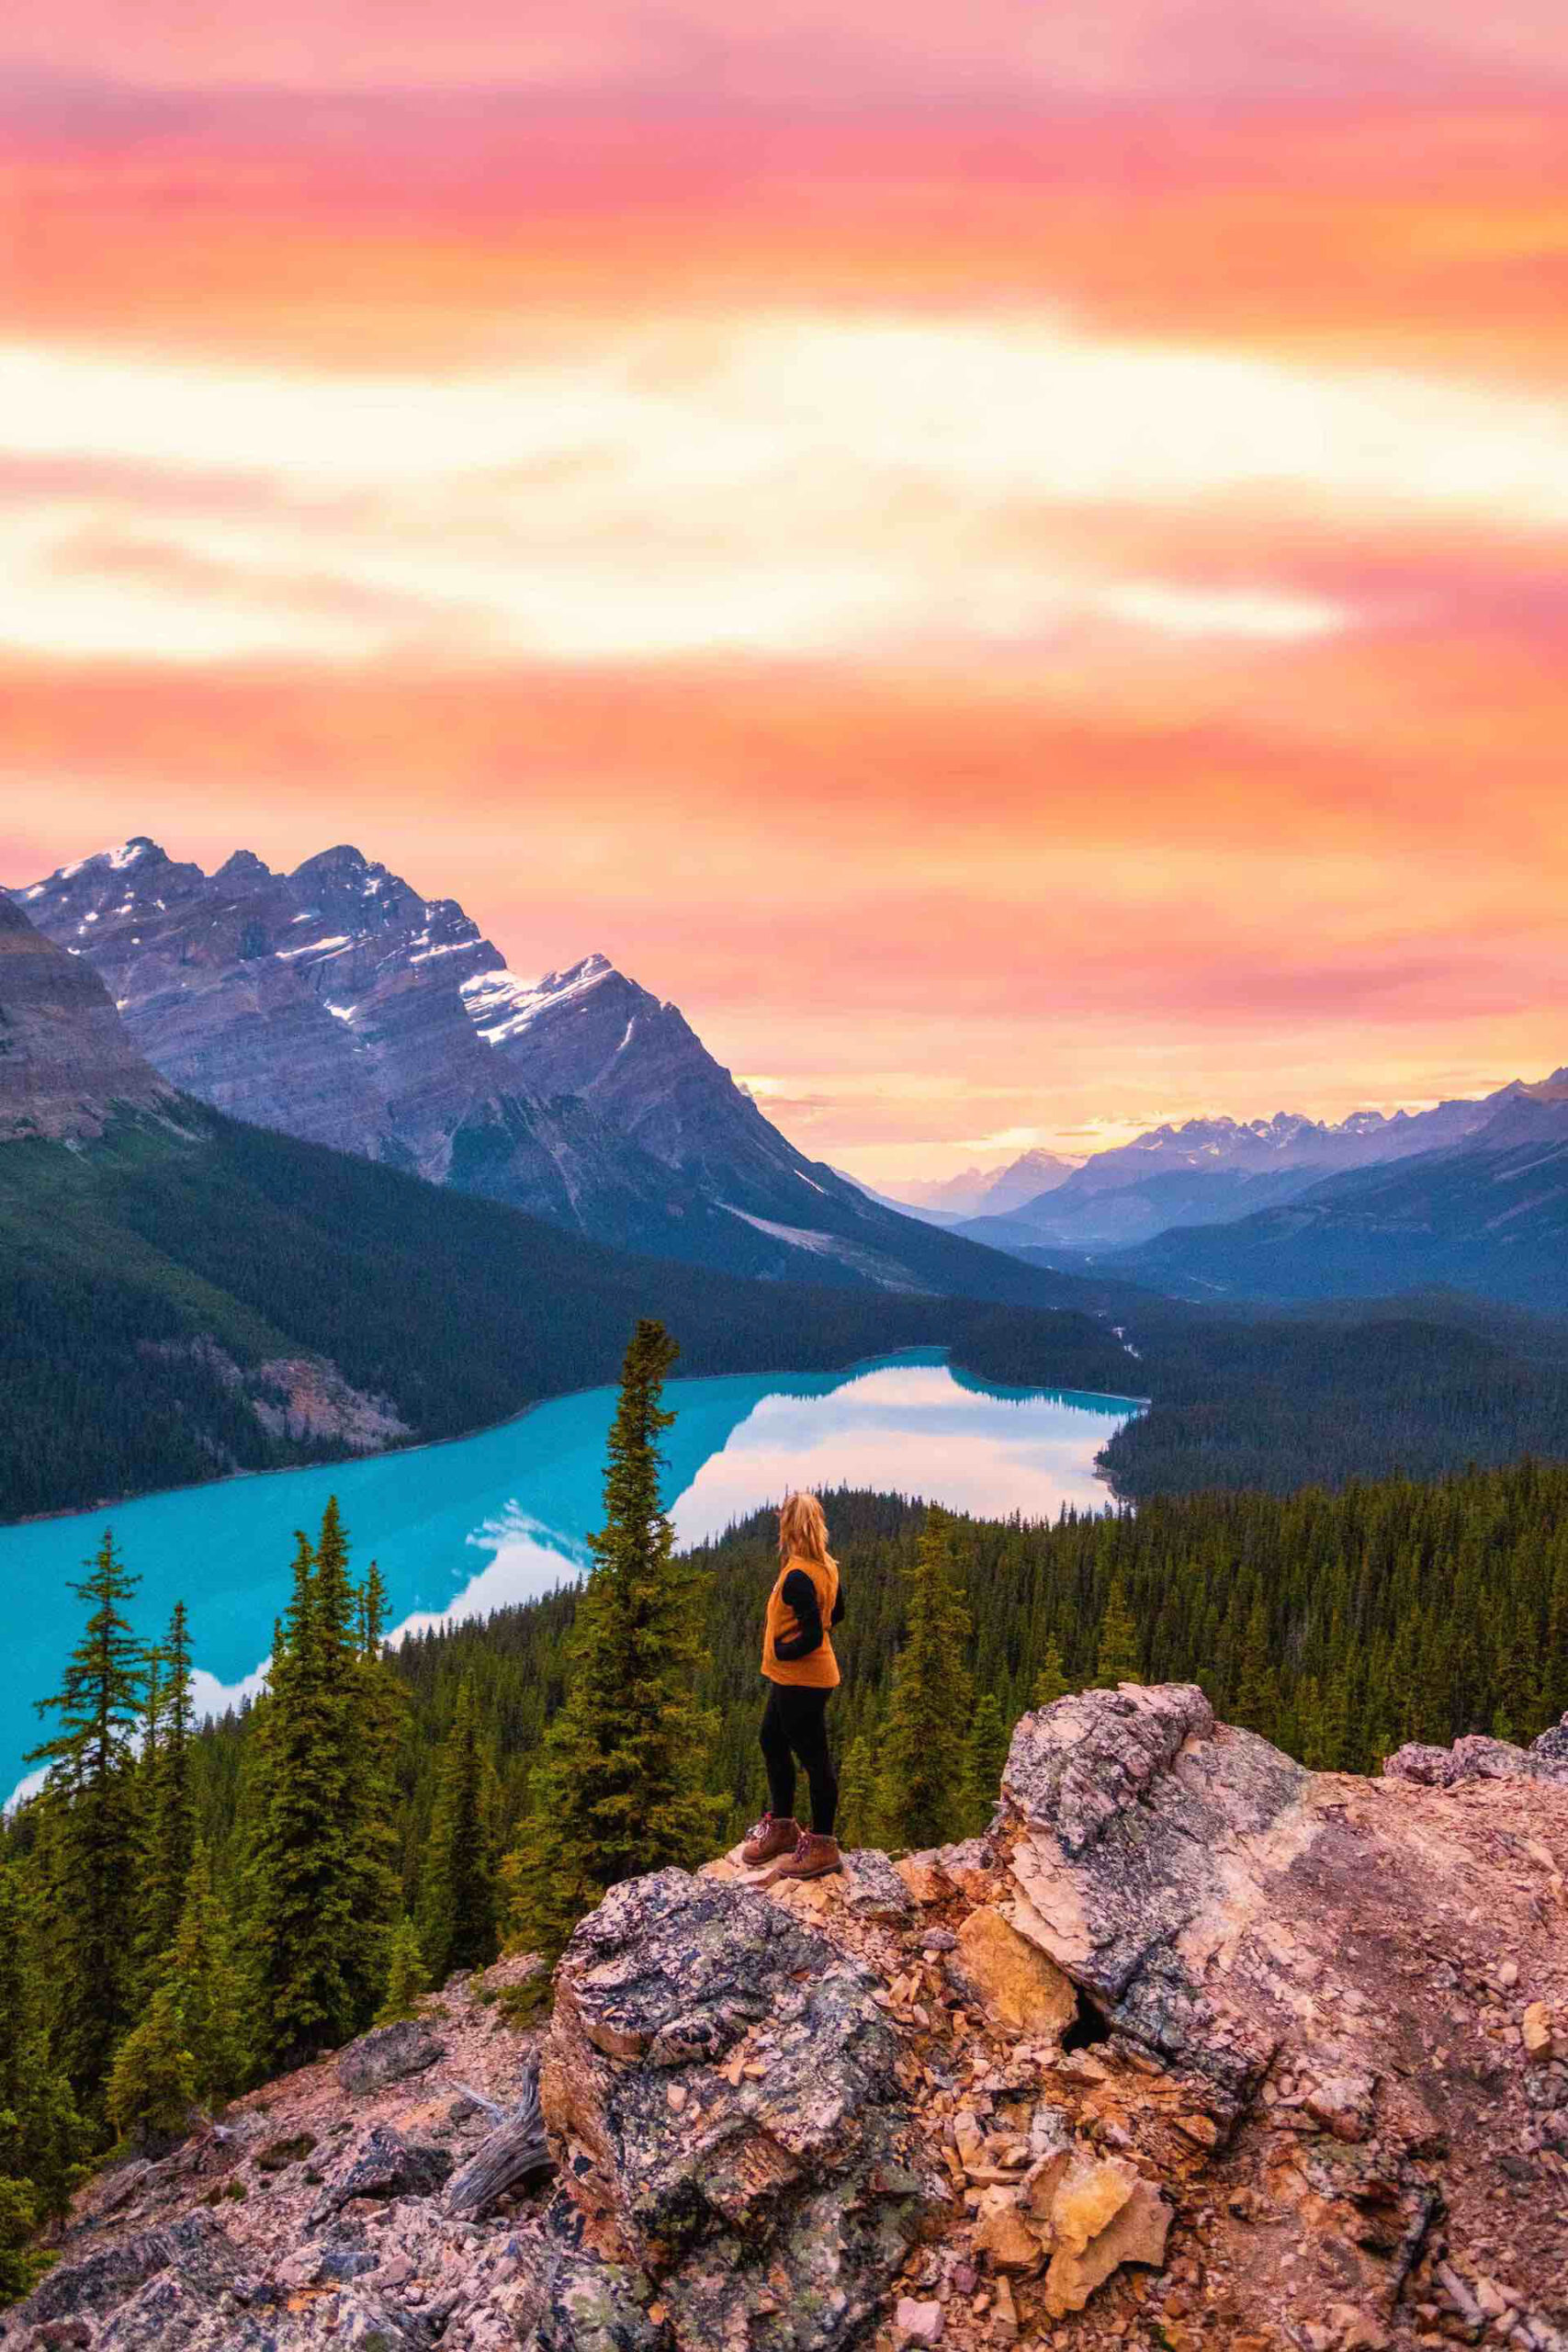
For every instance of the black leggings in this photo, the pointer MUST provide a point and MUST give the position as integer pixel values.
(793, 1725)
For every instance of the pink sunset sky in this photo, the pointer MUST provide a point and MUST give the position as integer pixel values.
(1010, 557)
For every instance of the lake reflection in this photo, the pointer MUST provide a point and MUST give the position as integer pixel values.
(463, 1528)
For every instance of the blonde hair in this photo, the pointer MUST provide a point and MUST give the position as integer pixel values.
(803, 1529)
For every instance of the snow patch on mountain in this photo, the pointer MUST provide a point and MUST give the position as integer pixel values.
(500, 1003)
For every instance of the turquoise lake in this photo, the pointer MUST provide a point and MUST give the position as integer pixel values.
(461, 1529)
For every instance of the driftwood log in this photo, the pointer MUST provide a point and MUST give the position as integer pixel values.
(517, 2148)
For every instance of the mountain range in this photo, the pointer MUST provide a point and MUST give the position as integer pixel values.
(1208, 1171)
(982, 1192)
(338, 1005)
(183, 1295)
(1487, 1213)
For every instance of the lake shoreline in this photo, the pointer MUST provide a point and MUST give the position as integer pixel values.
(485, 1429)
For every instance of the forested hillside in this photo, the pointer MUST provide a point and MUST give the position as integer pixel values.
(158, 1291)
(1424, 1385)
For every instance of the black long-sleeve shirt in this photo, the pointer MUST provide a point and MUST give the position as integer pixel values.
(799, 1594)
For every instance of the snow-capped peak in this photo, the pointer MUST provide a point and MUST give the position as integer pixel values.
(500, 1003)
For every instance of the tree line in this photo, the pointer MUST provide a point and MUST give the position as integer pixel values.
(185, 1910)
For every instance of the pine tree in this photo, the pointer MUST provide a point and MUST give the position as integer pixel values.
(1050, 1683)
(458, 1888)
(1116, 1652)
(618, 1789)
(168, 1801)
(923, 1782)
(1554, 1659)
(375, 1700)
(91, 1791)
(406, 1978)
(989, 1743)
(857, 1793)
(151, 2089)
(208, 1987)
(304, 1938)
(42, 2138)
(22, 2264)
(1256, 1703)
(1328, 1737)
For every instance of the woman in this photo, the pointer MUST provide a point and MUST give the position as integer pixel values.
(798, 1662)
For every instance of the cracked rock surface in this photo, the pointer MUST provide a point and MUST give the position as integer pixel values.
(1193, 2051)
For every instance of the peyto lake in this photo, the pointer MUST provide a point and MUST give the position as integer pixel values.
(467, 1527)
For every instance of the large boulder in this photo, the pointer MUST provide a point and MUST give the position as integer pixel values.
(381, 2163)
(1139, 1820)
(1478, 1756)
(725, 2092)
(388, 2054)
(197, 2247)
(1357, 1980)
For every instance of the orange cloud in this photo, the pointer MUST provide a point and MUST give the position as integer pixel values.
(1037, 608)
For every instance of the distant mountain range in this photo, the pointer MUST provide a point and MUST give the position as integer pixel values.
(182, 1295)
(1488, 1213)
(336, 1004)
(1209, 1171)
(981, 1191)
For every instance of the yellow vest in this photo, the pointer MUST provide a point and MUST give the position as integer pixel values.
(819, 1670)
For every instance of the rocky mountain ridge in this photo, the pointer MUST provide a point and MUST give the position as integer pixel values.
(66, 1064)
(1489, 1215)
(1193, 2049)
(988, 1192)
(1216, 1171)
(337, 1004)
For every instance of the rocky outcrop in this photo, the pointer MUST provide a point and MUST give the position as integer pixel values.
(387, 2054)
(725, 2092)
(66, 1064)
(1477, 1758)
(1341, 1971)
(1193, 2050)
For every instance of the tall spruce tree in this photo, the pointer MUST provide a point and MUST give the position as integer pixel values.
(457, 1888)
(208, 1987)
(923, 1784)
(43, 2137)
(91, 1789)
(857, 1793)
(1116, 1652)
(1050, 1683)
(317, 1879)
(407, 1981)
(618, 1789)
(168, 1824)
(988, 1742)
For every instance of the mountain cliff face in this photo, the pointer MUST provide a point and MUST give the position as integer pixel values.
(66, 1063)
(1193, 2050)
(337, 1004)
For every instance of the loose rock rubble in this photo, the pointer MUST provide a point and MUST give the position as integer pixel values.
(1194, 2049)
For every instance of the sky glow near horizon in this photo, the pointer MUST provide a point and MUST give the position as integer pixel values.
(1011, 561)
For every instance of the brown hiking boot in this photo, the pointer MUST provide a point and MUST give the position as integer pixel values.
(770, 1838)
(813, 1856)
